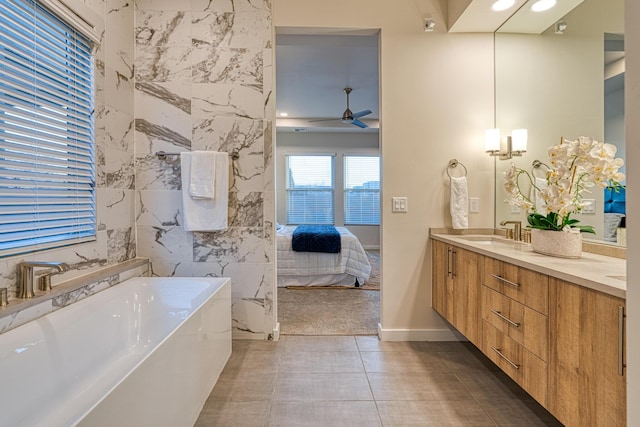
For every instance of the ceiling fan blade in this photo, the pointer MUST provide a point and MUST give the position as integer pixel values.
(321, 120)
(359, 123)
(361, 114)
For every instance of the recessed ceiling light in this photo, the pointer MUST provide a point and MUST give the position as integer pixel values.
(500, 5)
(542, 5)
(284, 114)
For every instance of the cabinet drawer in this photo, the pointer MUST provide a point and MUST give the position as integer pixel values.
(522, 366)
(525, 286)
(525, 326)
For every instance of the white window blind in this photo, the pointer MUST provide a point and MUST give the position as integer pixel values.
(362, 190)
(310, 189)
(47, 187)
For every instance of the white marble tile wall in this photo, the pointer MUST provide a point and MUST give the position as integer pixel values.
(203, 74)
(114, 131)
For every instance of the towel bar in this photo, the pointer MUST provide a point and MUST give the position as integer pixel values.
(163, 155)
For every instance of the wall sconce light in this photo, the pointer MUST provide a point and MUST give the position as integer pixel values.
(429, 24)
(505, 148)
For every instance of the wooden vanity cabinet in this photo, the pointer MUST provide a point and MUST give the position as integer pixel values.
(515, 323)
(456, 288)
(587, 377)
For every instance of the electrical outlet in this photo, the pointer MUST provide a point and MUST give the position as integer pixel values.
(474, 204)
(399, 204)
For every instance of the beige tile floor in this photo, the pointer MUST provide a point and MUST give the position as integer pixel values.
(331, 381)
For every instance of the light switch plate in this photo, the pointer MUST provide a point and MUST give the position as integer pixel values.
(589, 206)
(399, 204)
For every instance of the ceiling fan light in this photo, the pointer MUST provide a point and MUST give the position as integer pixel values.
(500, 5)
(542, 5)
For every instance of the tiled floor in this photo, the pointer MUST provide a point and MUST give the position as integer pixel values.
(332, 381)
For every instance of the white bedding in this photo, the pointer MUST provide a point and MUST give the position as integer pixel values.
(293, 266)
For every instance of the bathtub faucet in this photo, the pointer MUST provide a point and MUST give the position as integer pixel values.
(26, 276)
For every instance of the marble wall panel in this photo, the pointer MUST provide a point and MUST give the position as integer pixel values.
(116, 208)
(162, 28)
(226, 100)
(233, 245)
(162, 64)
(227, 65)
(119, 26)
(247, 279)
(119, 169)
(166, 244)
(153, 173)
(247, 317)
(232, 29)
(159, 208)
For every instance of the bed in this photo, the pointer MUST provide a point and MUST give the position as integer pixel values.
(615, 209)
(349, 267)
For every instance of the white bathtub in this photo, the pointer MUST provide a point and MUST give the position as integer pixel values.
(146, 352)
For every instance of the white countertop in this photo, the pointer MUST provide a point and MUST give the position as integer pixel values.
(601, 273)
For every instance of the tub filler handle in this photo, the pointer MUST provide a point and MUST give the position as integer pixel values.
(26, 276)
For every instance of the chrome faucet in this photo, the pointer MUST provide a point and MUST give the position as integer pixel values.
(26, 276)
(517, 225)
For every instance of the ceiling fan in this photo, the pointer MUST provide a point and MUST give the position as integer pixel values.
(349, 117)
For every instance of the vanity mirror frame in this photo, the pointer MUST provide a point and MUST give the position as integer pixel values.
(540, 87)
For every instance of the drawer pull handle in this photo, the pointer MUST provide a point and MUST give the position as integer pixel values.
(505, 318)
(621, 364)
(508, 282)
(497, 350)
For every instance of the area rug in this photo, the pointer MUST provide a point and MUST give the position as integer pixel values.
(373, 283)
(328, 312)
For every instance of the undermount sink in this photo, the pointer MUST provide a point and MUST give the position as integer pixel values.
(488, 239)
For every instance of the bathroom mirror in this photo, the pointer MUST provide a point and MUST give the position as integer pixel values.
(553, 84)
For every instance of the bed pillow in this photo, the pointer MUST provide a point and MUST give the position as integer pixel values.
(611, 223)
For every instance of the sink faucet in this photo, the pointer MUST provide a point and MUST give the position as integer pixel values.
(26, 275)
(517, 225)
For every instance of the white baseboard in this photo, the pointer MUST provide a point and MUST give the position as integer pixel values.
(372, 247)
(275, 335)
(418, 335)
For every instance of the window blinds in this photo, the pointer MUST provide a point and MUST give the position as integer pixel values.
(47, 188)
(310, 189)
(362, 190)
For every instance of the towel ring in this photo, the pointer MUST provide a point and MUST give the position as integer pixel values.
(453, 163)
(536, 165)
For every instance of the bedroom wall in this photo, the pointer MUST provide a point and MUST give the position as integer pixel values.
(338, 143)
(437, 97)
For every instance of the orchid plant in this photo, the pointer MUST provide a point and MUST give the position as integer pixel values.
(574, 167)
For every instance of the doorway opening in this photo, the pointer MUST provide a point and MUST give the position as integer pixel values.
(328, 171)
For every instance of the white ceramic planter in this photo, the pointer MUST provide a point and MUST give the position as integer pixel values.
(563, 244)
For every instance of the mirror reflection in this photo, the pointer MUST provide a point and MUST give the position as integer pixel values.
(566, 82)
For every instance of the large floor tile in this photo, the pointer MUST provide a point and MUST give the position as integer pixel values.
(323, 387)
(321, 362)
(318, 343)
(234, 414)
(373, 343)
(441, 413)
(518, 413)
(247, 363)
(401, 362)
(491, 385)
(411, 386)
(324, 414)
(258, 387)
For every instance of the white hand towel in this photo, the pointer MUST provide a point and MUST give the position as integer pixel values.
(202, 177)
(541, 208)
(459, 202)
(206, 214)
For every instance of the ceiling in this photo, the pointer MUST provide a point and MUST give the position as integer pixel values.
(312, 71)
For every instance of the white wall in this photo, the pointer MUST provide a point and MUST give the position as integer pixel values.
(614, 122)
(339, 144)
(436, 100)
(632, 108)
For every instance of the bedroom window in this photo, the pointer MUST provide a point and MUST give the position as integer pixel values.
(362, 190)
(310, 188)
(47, 184)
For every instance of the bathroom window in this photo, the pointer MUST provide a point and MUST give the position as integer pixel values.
(310, 187)
(361, 190)
(47, 169)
